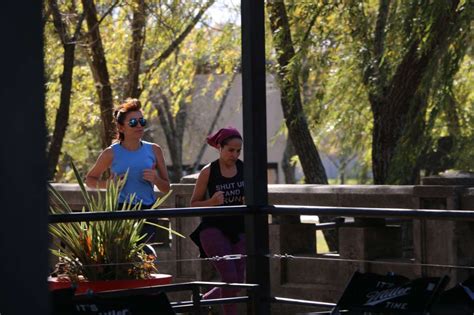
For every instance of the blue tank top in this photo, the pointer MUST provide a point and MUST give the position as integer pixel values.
(135, 162)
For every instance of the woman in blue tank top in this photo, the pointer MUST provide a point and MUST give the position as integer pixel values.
(222, 183)
(143, 160)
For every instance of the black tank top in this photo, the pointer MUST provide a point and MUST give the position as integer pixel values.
(233, 188)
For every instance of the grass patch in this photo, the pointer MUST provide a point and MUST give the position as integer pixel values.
(321, 245)
(348, 181)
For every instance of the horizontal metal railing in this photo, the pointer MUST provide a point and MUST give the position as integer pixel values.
(193, 305)
(147, 214)
(382, 213)
(277, 299)
(196, 304)
(273, 210)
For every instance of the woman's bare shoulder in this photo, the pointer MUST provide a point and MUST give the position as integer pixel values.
(107, 154)
(205, 171)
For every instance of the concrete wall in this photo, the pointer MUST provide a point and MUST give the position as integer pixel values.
(363, 245)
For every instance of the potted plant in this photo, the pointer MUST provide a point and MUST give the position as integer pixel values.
(102, 255)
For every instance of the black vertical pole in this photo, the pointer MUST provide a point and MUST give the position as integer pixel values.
(23, 198)
(255, 150)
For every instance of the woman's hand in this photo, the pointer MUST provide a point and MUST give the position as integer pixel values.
(151, 174)
(218, 198)
(159, 176)
(116, 177)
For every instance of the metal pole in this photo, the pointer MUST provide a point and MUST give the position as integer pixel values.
(255, 151)
(196, 301)
(23, 197)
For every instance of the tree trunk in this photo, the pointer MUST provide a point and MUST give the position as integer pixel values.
(99, 67)
(393, 103)
(200, 154)
(173, 128)
(132, 88)
(394, 112)
(62, 114)
(286, 163)
(298, 129)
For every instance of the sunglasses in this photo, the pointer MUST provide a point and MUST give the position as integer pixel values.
(135, 121)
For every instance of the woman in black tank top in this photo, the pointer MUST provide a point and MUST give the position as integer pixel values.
(222, 183)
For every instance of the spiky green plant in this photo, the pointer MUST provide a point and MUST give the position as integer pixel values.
(102, 250)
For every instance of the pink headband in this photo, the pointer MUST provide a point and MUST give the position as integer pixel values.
(217, 138)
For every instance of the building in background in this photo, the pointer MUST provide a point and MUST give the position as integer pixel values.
(203, 110)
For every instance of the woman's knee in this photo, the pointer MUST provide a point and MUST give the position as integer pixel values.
(229, 274)
(214, 242)
(229, 292)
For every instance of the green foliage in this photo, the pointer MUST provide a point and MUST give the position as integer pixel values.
(81, 142)
(333, 42)
(102, 250)
(464, 96)
(216, 49)
(334, 97)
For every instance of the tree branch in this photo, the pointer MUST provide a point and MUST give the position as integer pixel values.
(138, 24)
(103, 17)
(198, 159)
(375, 72)
(175, 44)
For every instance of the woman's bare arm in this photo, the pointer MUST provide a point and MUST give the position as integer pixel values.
(160, 178)
(104, 161)
(198, 199)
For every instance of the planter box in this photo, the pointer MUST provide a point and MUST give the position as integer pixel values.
(108, 285)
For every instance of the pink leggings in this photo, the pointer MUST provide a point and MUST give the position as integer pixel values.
(215, 243)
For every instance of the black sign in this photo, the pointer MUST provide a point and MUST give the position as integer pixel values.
(65, 302)
(458, 300)
(368, 292)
